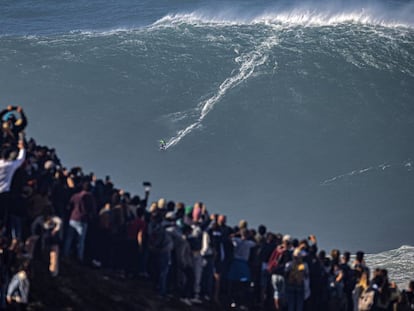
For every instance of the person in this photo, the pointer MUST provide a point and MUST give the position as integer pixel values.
(348, 279)
(406, 301)
(160, 245)
(7, 169)
(239, 274)
(280, 256)
(49, 226)
(82, 208)
(296, 271)
(18, 289)
(387, 292)
(163, 144)
(360, 288)
(359, 263)
(185, 269)
(11, 126)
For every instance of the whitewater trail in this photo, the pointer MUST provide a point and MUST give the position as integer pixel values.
(248, 63)
(408, 165)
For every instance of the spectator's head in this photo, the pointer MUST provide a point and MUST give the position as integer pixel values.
(359, 256)
(346, 257)
(49, 165)
(270, 237)
(161, 203)
(153, 207)
(262, 229)
(322, 255)
(221, 220)
(136, 200)
(171, 206)
(411, 285)
(335, 255)
(180, 210)
(116, 198)
(9, 120)
(287, 240)
(196, 211)
(243, 224)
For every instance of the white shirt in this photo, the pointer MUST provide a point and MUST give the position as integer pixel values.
(7, 169)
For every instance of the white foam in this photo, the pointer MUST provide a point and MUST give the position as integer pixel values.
(248, 63)
(381, 167)
(308, 16)
(399, 263)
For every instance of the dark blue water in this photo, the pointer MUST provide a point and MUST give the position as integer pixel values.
(298, 115)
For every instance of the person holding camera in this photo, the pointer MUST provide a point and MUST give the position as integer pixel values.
(7, 169)
(11, 126)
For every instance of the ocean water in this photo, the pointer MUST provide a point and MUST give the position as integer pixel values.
(294, 114)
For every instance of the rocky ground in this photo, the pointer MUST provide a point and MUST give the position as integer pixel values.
(85, 288)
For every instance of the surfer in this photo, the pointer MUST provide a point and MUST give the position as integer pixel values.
(163, 144)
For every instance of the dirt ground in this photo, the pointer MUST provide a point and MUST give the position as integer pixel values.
(85, 288)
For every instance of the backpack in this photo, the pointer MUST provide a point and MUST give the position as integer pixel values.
(277, 261)
(366, 301)
(296, 275)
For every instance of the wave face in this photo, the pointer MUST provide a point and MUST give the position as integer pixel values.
(399, 263)
(298, 115)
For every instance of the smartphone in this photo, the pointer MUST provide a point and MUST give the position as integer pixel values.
(147, 185)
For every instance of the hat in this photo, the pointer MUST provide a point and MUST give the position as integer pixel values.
(188, 210)
(287, 238)
(9, 116)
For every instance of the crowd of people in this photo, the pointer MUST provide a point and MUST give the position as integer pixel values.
(183, 251)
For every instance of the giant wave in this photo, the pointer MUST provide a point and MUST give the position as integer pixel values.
(270, 111)
(399, 263)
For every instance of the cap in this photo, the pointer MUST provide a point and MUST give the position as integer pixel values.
(287, 238)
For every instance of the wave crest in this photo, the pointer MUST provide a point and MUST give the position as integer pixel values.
(301, 16)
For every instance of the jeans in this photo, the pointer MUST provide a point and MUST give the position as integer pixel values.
(295, 297)
(208, 276)
(164, 267)
(198, 272)
(76, 228)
